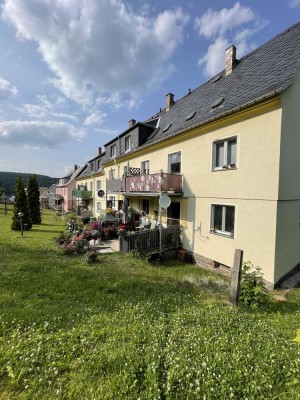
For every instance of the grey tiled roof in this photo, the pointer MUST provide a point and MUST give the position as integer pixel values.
(261, 74)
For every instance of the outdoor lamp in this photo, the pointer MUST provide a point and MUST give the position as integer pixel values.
(21, 215)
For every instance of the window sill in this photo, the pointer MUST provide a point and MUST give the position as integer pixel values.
(228, 235)
(224, 168)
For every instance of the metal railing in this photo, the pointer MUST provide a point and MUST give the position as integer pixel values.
(148, 240)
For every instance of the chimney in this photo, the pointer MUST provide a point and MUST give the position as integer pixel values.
(131, 123)
(230, 59)
(169, 101)
(99, 151)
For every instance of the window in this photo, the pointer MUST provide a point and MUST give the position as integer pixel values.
(98, 185)
(92, 166)
(175, 162)
(222, 219)
(91, 186)
(113, 150)
(98, 206)
(127, 143)
(145, 205)
(98, 164)
(173, 214)
(112, 200)
(112, 174)
(145, 167)
(224, 154)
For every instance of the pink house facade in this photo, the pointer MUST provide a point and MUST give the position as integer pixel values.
(63, 197)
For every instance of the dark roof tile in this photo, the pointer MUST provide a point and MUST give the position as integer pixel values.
(264, 72)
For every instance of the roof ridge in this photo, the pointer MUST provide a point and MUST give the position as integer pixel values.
(270, 40)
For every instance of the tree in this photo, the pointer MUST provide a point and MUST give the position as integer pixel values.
(20, 205)
(2, 192)
(33, 199)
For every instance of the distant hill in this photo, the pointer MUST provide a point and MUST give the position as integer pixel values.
(8, 180)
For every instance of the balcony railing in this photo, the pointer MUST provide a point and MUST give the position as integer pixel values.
(82, 194)
(151, 183)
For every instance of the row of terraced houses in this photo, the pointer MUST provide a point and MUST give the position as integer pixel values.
(227, 154)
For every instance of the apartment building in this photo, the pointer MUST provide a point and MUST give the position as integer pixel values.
(227, 156)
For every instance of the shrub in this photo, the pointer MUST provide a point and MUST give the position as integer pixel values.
(63, 238)
(253, 292)
(68, 248)
(80, 245)
(90, 257)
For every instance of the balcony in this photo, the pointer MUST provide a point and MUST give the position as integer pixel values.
(82, 194)
(147, 184)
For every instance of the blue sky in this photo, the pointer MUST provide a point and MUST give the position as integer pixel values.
(74, 72)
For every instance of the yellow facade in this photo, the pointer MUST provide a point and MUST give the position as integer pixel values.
(262, 187)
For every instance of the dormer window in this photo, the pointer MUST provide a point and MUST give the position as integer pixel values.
(127, 143)
(113, 150)
(92, 166)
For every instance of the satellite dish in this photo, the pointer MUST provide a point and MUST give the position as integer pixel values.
(101, 193)
(164, 201)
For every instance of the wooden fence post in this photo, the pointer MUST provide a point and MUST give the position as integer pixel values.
(236, 276)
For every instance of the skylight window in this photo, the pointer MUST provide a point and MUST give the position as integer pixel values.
(217, 78)
(218, 102)
(166, 128)
(157, 123)
(190, 116)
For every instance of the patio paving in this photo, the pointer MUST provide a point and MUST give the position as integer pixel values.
(108, 246)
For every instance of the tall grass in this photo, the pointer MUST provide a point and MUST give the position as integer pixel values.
(126, 329)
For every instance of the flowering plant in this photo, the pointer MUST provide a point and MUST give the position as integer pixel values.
(96, 226)
(122, 230)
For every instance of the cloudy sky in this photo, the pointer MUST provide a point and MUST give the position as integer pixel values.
(74, 72)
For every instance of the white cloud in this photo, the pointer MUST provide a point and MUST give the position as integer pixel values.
(7, 90)
(213, 60)
(95, 118)
(46, 109)
(236, 25)
(294, 3)
(214, 23)
(38, 134)
(96, 47)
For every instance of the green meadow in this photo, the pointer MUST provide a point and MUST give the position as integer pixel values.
(123, 328)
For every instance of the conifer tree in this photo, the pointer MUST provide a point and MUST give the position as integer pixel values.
(33, 200)
(20, 205)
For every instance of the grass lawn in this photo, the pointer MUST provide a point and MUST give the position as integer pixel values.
(126, 329)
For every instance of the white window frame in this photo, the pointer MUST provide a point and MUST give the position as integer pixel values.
(127, 144)
(98, 206)
(113, 150)
(98, 184)
(145, 171)
(222, 231)
(113, 201)
(112, 174)
(169, 161)
(225, 165)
